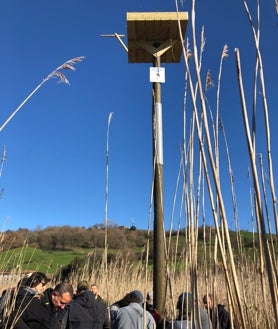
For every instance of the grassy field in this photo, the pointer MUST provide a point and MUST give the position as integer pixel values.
(33, 259)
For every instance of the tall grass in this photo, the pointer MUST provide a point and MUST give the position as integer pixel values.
(57, 73)
(205, 132)
(246, 283)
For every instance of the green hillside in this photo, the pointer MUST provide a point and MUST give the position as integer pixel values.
(33, 259)
(54, 248)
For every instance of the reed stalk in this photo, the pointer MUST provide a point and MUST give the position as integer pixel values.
(68, 65)
(259, 66)
(258, 202)
(106, 196)
(214, 175)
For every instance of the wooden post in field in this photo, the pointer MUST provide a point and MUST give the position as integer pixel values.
(159, 257)
(155, 37)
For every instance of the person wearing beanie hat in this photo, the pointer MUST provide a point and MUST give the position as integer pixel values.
(139, 295)
(133, 316)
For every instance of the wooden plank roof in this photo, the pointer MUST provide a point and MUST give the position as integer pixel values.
(155, 33)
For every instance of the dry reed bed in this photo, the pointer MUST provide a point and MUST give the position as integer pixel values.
(121, 276)
(249, 291)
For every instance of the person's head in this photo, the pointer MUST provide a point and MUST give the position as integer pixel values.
(136, 296)
(185, 305)
(94, 289)
(208, 301)
(82, 286)
(149, 299)
(123, 302)
(36, 281)
(62, 295)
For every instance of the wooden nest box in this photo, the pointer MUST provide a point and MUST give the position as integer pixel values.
(155, 34)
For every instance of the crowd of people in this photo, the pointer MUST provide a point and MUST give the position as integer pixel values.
(31, 305)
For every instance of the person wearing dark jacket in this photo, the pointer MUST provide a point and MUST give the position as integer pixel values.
(24, 296)
(43, 311)
(59, 299)
(85, 312)
(220, 317)
(94, 291)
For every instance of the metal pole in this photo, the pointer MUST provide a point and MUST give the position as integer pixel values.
(159, 262)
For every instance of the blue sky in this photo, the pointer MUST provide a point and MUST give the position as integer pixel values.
(55, 170)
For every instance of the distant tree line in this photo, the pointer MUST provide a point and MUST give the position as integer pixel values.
(119, 238)
(68, 237)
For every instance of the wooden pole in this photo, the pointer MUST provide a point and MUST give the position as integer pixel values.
(159, 261)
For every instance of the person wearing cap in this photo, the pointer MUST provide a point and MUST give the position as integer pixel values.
(133, 316)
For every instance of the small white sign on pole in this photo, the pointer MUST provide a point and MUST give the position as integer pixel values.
(157, 74)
